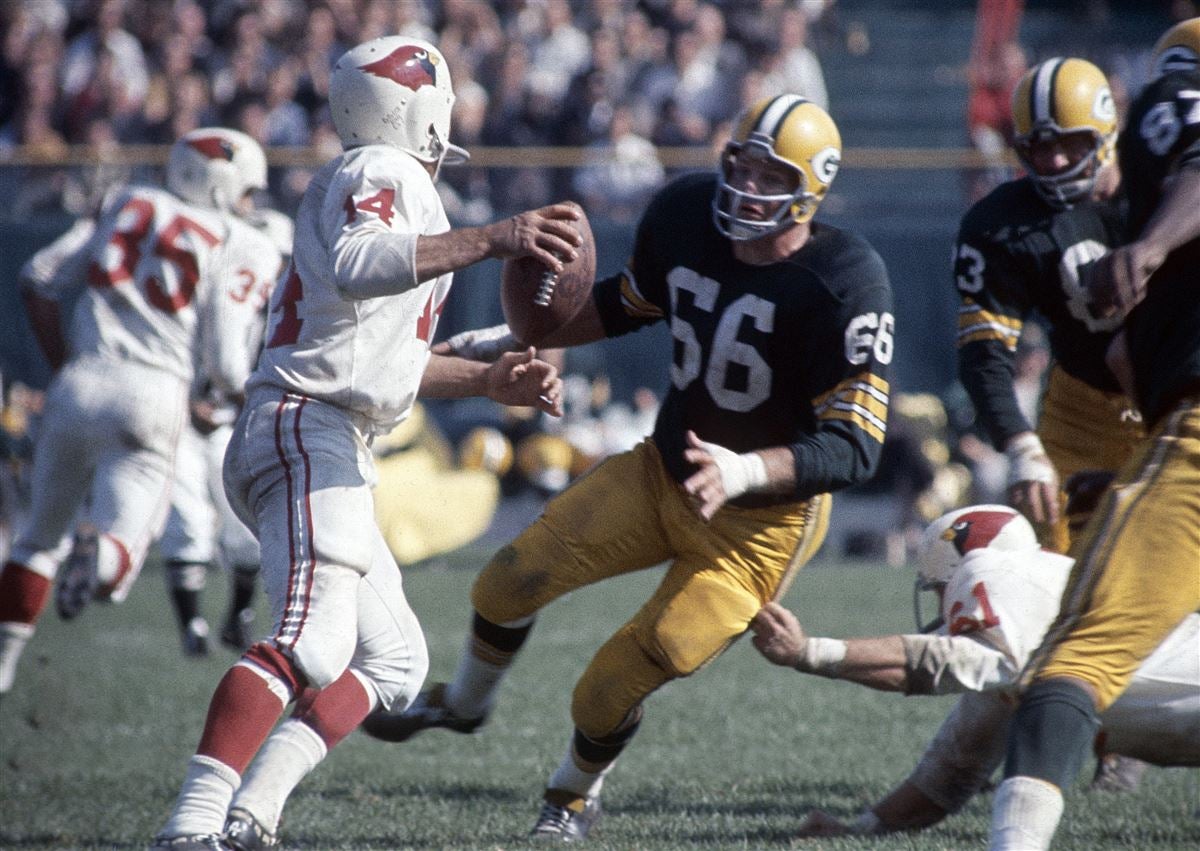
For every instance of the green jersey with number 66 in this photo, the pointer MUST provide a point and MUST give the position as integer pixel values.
(794, 353)
(1017, 256)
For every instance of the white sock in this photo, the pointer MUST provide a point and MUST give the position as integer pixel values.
(288, 755)
(13, 638)
(571, 777)
(471, 693)
(1025, 814)
(204, 799)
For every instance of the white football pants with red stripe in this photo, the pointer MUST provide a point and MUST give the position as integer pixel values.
(299, 473)
(108, 435)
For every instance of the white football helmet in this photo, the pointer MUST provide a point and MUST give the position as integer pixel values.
(948, 539)
(214, 167)
(395, 91)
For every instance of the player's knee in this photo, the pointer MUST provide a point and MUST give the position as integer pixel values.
(517, 581)
(1051, 732)
(397, 675)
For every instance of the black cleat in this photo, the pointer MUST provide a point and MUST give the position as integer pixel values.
(237, 633)
(192, 842)
(195, 638)
(565, 823)
(426, 712)
(243, 832)
(78, 579)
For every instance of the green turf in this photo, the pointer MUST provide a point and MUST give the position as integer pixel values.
(94, 739)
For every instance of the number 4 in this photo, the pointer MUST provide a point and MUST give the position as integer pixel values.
(381, 204)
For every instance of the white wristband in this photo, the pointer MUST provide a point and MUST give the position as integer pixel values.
(866, 824)
(483, 344)
(740, 473)
(822, 656)
(1027, 461)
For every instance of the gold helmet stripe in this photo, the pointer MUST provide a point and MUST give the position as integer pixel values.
(777, 111)
(1041, 93)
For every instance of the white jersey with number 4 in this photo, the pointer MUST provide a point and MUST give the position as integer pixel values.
(996, 608)
(344, 328)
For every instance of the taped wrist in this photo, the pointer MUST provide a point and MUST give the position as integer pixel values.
(822, 656)
(740, 473)
(1027, 461)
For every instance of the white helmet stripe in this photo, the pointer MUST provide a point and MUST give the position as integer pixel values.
(773, 116)
(1041, 93)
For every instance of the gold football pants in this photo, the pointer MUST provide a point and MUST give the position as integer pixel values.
(628, 514)
(1137, 568)
(1083, 428)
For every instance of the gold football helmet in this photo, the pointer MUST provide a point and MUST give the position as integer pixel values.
(1178, 49)
(787, 130)
(1060, 98)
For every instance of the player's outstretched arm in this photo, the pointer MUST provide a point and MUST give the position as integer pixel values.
(904, 808)
(879, 663)
(516, 378)
(546, 234)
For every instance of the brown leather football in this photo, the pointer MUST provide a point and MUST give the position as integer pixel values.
(524, 279)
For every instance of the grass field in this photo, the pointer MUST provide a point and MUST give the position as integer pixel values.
(106, 711)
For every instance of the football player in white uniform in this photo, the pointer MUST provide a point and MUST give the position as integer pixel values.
(999, 593)
(151, 268)
(201, 526)
(347, 351)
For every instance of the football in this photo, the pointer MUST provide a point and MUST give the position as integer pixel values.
(535, 302)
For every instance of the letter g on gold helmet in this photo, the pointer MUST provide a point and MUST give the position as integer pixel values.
(1178, 49)
(1063, 97)
(787, 130)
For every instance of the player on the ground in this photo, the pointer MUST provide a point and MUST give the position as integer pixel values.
(1138, 561)
(998, 594)
(201, 527)
(152, 269)
(347, 350)
(779, 395)
(1026, 249)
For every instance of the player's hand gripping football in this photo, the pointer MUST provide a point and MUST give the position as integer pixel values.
(778, 635)
(547, 234)
(521, 379)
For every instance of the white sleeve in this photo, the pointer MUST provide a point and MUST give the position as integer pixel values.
(61, 266)
(233, 324)
(951, 664)
(965, 751)
(375, 250)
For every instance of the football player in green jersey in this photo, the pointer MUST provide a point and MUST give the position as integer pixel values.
(783, 336)
(1138, 561)
(1025, 249)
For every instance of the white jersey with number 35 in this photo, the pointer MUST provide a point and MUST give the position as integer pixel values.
(168, 285)
(347, 326)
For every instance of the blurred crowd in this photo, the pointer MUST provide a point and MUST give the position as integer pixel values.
(622, 76)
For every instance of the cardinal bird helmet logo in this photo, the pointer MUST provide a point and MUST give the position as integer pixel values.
(409, 65)
(213, 147)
